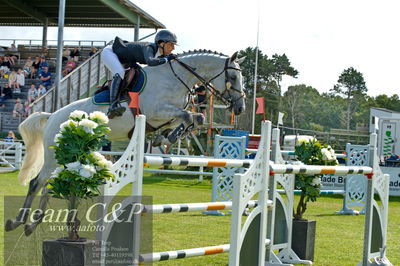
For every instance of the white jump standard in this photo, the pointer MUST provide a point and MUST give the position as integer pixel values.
(248, 239)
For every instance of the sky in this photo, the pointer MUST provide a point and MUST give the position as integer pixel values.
(320, 38)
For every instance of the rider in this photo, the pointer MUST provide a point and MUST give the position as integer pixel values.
(122, 52)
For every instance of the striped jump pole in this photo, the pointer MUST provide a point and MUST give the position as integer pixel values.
(196, 207)
(186, 253)
(319, 169)
(322, 192)
(205, 162)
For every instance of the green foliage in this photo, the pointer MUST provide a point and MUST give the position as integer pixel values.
(270, 70)
(311, 152)
(81, 169)
(351, 84)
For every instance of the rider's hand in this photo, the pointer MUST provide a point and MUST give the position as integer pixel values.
(171, 57)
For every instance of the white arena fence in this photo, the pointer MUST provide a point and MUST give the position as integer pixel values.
(258, 182)
(11, 154)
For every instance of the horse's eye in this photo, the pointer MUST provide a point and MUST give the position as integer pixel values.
(233, 77)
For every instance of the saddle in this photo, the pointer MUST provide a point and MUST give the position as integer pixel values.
(134, 81)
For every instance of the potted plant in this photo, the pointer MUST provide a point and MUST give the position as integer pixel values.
(309, 152)
(81, 169)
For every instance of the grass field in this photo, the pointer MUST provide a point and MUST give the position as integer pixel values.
(339, 239)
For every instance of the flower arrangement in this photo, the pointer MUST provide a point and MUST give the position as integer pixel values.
(82, 170)
(311, 152)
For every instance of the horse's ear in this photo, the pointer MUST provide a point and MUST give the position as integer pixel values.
(240, 60)
(234, 56)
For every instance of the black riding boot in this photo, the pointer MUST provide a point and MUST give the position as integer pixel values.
(115, 107)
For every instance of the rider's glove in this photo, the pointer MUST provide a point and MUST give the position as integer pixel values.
(171, 57)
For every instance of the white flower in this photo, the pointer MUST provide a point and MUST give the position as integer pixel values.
(88, 124)
(57, 171)
(74, 167)
(104, 164)
(316, 181)
(304, 139)
(100, 116)
(328, 154)
(78, 114)
(332, 151)
(66, 124)
(87, 170)
(98, 156)
(57, 137)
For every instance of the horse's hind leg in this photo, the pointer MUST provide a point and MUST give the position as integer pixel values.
(39, 213)
(34, 187)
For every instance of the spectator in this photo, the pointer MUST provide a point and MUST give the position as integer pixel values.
(201, 98)
(69, 67)
(20, 83)
(43, 64)
(14, 53)
(5, 66)
(92, 51)
(66, 54)
(28, 66)
(45, 77)
(6, 62)
(12, 79)
(35, 67)
(45, 53)
(75, 54)
(6, 93)
(27, 108)
(41, 90)
(10, 137)
(19, 109)
(32, 93)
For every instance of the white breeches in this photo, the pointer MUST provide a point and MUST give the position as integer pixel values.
(110, 59)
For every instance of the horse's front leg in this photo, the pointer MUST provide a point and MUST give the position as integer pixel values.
(183, 124)
(34, 187)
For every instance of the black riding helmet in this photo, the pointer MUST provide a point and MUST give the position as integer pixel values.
(165, 36)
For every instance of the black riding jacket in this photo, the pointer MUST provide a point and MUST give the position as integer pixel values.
(136, 52)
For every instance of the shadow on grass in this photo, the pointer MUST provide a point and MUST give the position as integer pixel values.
(331, 214)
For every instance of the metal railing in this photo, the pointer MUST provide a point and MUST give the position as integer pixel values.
(74, 86)
(38, 43)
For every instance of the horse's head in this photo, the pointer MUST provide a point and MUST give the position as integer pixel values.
(230, 84)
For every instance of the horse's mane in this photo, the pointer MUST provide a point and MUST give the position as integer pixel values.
(201, 51)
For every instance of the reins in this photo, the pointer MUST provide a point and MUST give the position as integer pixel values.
(207, 84)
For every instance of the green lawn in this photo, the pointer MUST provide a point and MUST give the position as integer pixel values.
(339, 239)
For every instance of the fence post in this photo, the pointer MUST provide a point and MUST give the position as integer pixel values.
(98, 68)
(69, 89)
(78, 91)
(18, 155)
(89, 73)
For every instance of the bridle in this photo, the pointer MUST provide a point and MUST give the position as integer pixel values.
(207, 83)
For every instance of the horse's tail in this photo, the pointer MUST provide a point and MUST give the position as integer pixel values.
(31, 131)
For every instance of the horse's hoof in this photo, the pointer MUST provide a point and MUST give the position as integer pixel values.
(10, 225)
(29, 228)
(157, 142)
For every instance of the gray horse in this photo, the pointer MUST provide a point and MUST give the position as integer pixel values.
(162, 101)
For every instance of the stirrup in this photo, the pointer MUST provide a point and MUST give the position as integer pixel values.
(115, 110)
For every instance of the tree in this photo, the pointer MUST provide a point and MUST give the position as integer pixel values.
(281, 67)
(269, 75)
(299, 103)
(352, 86)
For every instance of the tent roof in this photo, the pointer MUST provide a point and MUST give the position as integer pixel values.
(78, 13)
